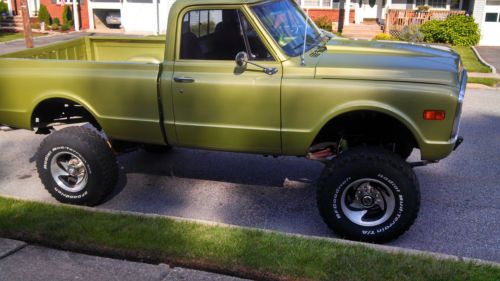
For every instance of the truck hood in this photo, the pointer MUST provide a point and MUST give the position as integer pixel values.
(388, 61)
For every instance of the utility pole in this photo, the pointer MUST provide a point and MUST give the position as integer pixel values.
(28, 37)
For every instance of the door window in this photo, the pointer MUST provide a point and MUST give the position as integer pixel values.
(219, 35)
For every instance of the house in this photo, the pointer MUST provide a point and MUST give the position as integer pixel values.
(55, 8)
(486, 13)
(139, 16)
(150, 16)
(15, 7)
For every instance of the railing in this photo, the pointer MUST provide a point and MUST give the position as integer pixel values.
(397, 19)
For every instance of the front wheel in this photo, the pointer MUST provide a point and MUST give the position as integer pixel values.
(77, 166)
(368, 194)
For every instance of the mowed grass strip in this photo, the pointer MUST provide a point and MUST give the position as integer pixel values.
(492, 82)
(9, 36)
(470, 60)
(242, 252)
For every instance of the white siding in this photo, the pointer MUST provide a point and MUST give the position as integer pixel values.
(478, 12)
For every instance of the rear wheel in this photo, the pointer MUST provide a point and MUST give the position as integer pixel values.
(77, 166)
(368, 194)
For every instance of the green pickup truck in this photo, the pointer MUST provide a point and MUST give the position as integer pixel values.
(248, 76)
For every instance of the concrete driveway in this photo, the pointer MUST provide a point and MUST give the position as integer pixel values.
(491, 55)
(460, 211)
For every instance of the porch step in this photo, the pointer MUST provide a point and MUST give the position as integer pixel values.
(10, 24)
(16, 21)
(361, 31)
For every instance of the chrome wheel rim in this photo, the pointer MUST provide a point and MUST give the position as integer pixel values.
(368, 202)
(69, 171)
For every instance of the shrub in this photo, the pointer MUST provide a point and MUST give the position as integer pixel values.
(54, 26)
(383, 36)
(4, 8)
(458, 30)
(324, 23)
(433, 31)
(43, 15)
(67, 16)
(65, 27)
(411, 33)
(56, 21)
(35, 25)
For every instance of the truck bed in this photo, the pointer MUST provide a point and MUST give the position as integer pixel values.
(115, 79)
(109, 49)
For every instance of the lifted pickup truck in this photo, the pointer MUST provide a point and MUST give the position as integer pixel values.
(245, 76)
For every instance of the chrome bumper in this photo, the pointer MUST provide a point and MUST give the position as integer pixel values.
(458, 114)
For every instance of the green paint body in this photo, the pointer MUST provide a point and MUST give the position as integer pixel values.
(121, 80)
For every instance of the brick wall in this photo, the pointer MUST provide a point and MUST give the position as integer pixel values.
(332, 14)
(56, 10)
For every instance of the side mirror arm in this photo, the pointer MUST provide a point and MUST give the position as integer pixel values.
(242, 61)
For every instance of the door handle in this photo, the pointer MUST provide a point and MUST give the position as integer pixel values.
(183, 79)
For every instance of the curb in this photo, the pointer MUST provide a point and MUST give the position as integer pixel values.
(383, 248)
(493, 69)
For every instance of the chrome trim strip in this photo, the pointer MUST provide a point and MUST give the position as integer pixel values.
(458, 114)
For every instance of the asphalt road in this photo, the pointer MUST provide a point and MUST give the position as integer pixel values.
(460, 212)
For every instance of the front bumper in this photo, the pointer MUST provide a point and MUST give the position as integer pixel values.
(459, 141)
(458, 113)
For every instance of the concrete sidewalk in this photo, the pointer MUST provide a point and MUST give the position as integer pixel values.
(22, 261)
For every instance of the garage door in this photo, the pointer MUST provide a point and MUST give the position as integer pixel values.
(490, 28)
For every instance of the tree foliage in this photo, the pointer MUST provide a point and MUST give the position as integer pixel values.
(43, 15)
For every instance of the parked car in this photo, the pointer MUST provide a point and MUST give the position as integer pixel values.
(113, 18)
(231, 78)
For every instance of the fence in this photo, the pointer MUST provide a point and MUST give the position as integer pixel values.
(397, 19)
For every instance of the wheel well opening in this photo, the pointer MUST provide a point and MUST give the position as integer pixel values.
(367, 127)
(60, 111)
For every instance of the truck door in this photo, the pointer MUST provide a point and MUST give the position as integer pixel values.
(218, 105)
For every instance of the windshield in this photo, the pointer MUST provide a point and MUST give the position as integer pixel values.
(286, 23)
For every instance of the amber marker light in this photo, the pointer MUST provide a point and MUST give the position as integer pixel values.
(434, 114)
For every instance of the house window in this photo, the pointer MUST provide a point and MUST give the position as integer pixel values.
(491, 17)
(437, 3)
(420, 3)
(455, 5)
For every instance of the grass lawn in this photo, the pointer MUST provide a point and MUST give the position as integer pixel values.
(492, 82)
(470, 60)
(9, 36)
(243, 252)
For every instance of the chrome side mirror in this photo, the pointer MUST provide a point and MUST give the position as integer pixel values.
(242, 61)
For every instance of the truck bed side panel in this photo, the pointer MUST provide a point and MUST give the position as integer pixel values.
(121, 96)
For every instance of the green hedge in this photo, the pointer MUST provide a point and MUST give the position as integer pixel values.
(458, 30)
(67, 16)
(324, 23)
(43, 15)
(4, 8)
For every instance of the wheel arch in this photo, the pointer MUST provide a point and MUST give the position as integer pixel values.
(55, 107)
(396, 116)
